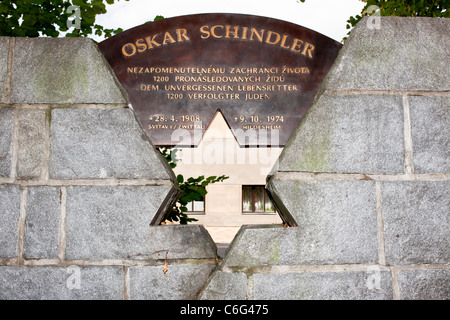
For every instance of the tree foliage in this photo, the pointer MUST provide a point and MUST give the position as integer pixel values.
(34, 18)
(192, 189)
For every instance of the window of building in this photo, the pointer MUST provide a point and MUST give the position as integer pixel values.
(256, 200)
(196, 207)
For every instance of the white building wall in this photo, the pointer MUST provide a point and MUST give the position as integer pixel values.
(219, 154)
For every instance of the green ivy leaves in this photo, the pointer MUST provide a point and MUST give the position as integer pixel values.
(34, 18)
(192, 189)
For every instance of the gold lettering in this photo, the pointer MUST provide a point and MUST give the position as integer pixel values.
(205, 32)
(269, 35)
(218, 32)
(297, 43)
(149, 87)
(308, 48)
(213, 31)
(125, 52)
(151, 41)
(283, 41)
(168, 38)
(259, 36)
(141, 45)
(244, 33)
(182, 34)
(234, 32)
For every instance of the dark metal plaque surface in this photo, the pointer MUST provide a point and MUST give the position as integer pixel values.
(261, 73)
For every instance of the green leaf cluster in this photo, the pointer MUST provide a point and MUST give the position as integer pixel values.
(34, 18)
(192, 189)
(170, 155)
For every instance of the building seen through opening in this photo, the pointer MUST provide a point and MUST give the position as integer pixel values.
(239, 200)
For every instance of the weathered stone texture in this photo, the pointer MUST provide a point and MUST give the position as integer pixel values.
(306, 244)
(6, 134)
(404, 54)
(61, 283)
(102, 143)
(337, 223)
(430, 284)
(81, 184)
(225, 286)
(4, 51)
(42, 223)
(416, 222)
(62, 70)
(32, 143)
(182, 241)
(345, 177)
(323, 286)
(430, 123)
(180, 282)
(111, 222)
(348, 134)
(9, 220)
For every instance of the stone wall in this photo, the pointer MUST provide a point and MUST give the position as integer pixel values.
(365, 178)
(363, 182)
(80, 185)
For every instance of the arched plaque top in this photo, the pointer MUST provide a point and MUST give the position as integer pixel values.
(261, 73)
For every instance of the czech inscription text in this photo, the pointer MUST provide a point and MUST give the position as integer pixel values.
(218, 83)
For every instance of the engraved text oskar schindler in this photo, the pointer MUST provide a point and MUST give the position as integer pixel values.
(218, 32)
(261, 78)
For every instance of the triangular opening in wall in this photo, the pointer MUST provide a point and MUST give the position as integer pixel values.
(239, 200)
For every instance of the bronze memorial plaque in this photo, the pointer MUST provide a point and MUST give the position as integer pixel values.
(260, 73)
